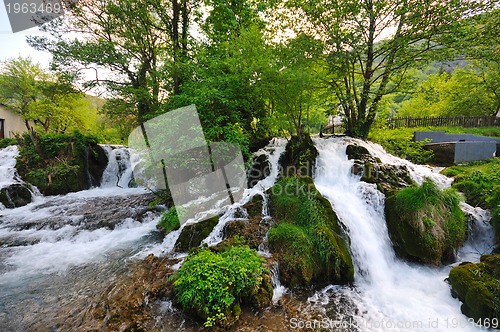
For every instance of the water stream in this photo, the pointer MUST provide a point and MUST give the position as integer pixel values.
(60, 253)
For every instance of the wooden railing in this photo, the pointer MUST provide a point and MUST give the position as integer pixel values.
(443, 121)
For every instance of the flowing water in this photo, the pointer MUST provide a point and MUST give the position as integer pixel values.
(389, 294)
(61, 253)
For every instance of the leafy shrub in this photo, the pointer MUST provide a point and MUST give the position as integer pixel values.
(213, 285)
(169, 221)
(7, 142)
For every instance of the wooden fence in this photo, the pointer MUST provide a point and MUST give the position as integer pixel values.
(444, 121)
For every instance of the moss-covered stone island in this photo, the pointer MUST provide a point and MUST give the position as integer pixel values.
(425, 223)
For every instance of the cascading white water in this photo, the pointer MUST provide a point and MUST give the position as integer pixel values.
(8, 173)
(118, 172)
(390, 294)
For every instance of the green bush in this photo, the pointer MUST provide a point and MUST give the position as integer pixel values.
(426, 223)
(213, 285)
(7, 142)
(170, 220)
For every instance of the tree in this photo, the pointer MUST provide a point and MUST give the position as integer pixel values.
(477, 40)
(140, 44)
(19, 86)
(39, 97)
(293, 85)
(462, 92)
(370, 45)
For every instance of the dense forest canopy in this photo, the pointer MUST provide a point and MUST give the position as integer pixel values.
(260, 68)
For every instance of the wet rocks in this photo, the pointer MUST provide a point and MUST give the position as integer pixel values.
(125, 306)
(260, 170)
(477, 286)
(15, 195)
(299, 157)
(252, 230)
(388, 178)
(192, 235)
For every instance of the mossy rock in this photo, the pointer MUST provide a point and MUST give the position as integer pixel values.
(425, 223)
(192, 235)
(299, 157)
(478, 287)
(15, 195)
(308, 240)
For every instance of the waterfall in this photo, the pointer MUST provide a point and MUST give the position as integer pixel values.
(119, 171)
(8, 174)
(389, 294)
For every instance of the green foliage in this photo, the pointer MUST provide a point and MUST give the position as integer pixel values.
(213, 285)
(61, 165)
(169, 221)
(426, 223)
(307, 237)
(480, 183)
(7, 142)
(47, 99)
(463, 92)
(400, 143)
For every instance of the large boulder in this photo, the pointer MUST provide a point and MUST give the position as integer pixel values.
(307, 241)
(299, 157)
(425, 223)
(478, 287)
(15, 195)
(260, 169)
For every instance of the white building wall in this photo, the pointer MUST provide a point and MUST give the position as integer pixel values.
(13, 123)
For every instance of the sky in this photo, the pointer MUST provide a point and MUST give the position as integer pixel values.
(14, 44)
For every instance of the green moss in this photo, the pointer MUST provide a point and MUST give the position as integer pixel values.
(213, 285)
(477, 286)
(192, 235)
(426, 223)
(307, 239)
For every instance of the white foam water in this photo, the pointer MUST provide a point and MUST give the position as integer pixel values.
(389, 294)
(8, 174)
